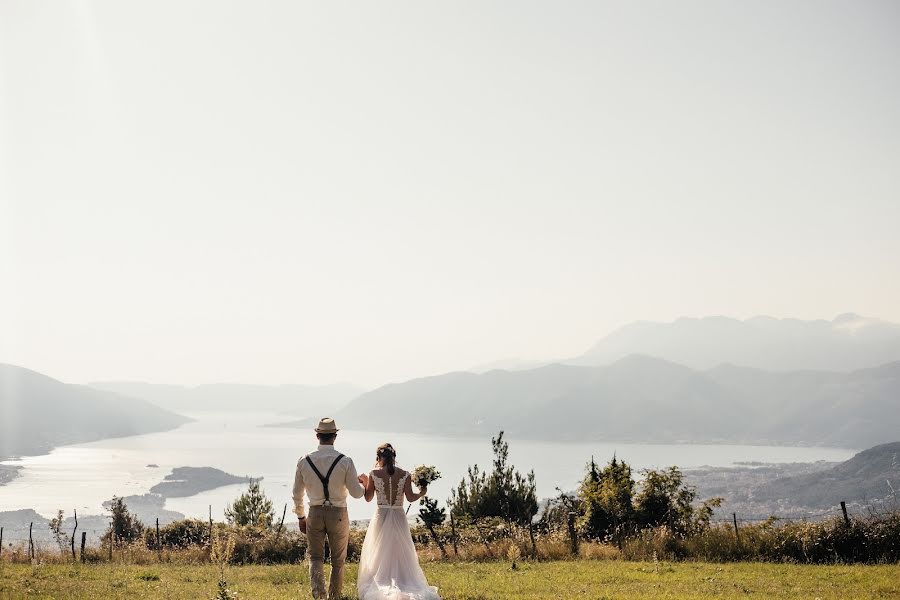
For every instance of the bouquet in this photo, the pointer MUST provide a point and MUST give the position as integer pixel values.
(423, 475)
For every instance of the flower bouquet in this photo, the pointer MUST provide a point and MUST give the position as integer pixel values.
(424, 475)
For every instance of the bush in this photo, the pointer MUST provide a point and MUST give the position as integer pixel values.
(260, 545)
(504, 493)
(253, 507)
(185, 533)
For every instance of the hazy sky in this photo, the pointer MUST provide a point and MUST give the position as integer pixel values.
(319, 191)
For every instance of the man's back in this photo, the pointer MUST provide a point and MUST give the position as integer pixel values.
(343, 479)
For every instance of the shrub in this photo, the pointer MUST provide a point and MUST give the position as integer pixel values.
(503, 493)
(253, 507)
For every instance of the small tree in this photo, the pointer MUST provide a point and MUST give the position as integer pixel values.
(125, 527)
(253, 507)
(606, 500)
(432, 517)
(503, 493)
(665, 499)
(59, 536)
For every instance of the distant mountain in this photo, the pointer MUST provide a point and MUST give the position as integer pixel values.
(297, 400)
(644, 399)
(846, 343)
(39, 412)
(871, 479)
(508, 364)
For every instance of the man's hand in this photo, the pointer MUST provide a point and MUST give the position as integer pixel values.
(302, 524)
(363, 480)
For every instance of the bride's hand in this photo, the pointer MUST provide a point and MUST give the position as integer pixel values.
(423, 489)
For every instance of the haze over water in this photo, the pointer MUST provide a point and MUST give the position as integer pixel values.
(82, 476)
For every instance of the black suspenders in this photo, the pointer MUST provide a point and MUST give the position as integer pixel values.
(325, 479)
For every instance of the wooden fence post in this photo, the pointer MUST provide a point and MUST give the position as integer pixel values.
(573, 538)
(846, 516)
(737, 536)
(533, 542)
(73, 534)
(158, 545)
(280, 525)
(1, 542)
(210, 527)
(30, 541)
(83, 542)
(453, 532)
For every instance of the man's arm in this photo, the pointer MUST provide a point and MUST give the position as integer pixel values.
(299, 489)
(351, 480)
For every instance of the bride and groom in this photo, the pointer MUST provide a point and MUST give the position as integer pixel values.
(388, 566)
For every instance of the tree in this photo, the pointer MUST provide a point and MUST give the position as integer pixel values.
(503, 493)
(253, 507)
(665, 499)
(606, 497)
(432, 517)
(124, 527)
(59, 536)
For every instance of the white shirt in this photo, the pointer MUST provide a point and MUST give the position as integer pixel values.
(343, 480)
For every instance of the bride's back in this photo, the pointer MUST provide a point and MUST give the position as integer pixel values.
(389, 488)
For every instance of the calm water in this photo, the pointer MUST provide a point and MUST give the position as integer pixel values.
(82, 476)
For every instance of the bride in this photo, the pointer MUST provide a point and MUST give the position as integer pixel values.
(388, 565)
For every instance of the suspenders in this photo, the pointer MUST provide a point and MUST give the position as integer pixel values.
(325, 479)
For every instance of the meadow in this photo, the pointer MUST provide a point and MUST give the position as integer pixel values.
(588, 579)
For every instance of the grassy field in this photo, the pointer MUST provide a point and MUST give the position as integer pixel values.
(594, 580)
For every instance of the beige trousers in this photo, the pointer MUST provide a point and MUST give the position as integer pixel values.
(331, 522)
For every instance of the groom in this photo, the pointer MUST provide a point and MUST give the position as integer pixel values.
(326, 476)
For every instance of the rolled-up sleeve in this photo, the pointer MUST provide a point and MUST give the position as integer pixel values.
(299, 489)
(353, 486)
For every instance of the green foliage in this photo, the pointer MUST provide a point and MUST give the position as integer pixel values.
(253, 507)
(184, 533)
(664, 499)
(504, 492)
(430, 514)
(606, 501)
(125, 527)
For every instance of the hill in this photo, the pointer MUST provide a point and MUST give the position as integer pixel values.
(297, 400)
(40, 413)
(846, 343)
(645, 400)
(869, 480)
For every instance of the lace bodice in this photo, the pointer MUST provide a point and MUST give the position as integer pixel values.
(385, 492)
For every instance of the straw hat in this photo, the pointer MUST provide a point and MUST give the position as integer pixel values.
(327, 425)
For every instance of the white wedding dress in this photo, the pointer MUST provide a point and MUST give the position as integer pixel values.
(388, 566)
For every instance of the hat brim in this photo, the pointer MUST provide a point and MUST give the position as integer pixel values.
(317, 430)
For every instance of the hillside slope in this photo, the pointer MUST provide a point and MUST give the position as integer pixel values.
(39, 412)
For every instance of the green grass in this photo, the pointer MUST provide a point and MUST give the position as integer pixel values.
(594, 580)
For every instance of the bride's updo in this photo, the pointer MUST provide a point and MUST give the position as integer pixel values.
(386, 455)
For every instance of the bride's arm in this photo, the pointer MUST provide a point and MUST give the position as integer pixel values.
(411, 496)
(370, 488)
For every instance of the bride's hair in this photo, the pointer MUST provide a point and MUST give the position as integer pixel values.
(386, 455)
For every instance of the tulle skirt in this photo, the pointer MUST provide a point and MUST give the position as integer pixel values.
(388, 565)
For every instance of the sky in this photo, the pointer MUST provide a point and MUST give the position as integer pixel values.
(308, 192)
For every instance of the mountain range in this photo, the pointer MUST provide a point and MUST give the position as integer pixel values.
(296, 400)
(644, 399)
(40, 413)
(846, 343)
